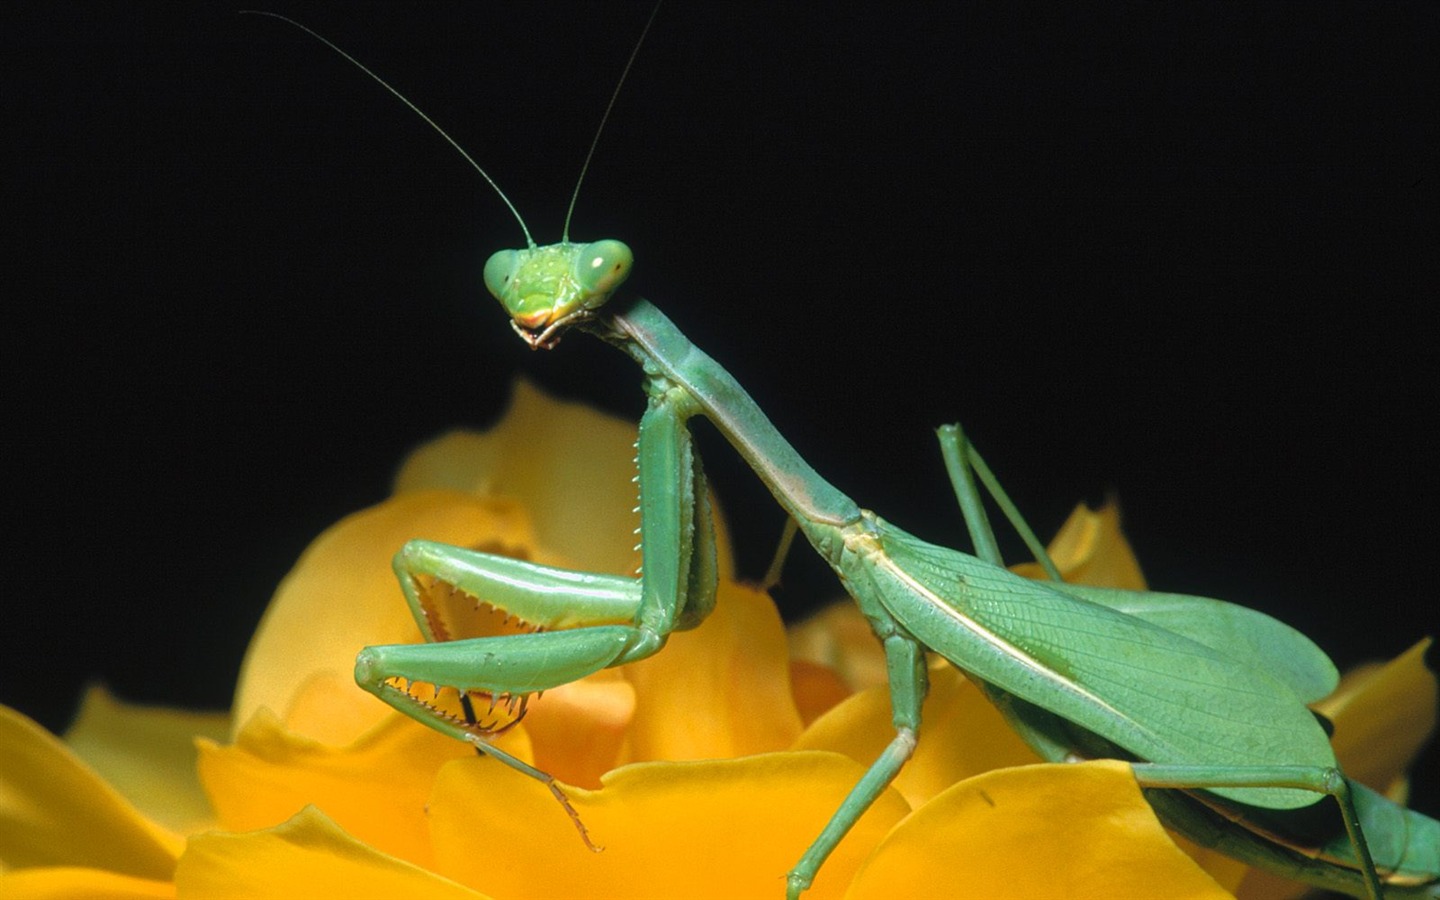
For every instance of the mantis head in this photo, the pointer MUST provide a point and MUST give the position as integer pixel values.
(545, 290)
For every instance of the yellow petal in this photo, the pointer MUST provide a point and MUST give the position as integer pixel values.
(1259, 884)
(55, 811)
(839, 637)
(725, 829)
(341, 596)
(1228, 872)
(719, 690)
(1090, 549)
(962, 735)
(148, 755)
(375, 788)
(308, 856)
(65, 883)
(1050, 831)
(568, 464)
(1383, 715)
(818, 689)
(578, 730)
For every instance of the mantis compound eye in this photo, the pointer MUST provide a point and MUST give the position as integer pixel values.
(602, 267)
(500, 271)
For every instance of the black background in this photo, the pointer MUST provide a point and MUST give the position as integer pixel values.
(1181, 253)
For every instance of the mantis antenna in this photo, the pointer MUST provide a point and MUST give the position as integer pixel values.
(585, 167)
(530, 241)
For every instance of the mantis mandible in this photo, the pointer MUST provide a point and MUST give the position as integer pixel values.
(1140, 685)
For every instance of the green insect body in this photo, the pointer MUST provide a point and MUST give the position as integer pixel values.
(1206, 699)
(1202, 694)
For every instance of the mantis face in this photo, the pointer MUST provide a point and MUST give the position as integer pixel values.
(547, 289)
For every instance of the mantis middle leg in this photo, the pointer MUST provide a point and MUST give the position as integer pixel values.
(905, 664)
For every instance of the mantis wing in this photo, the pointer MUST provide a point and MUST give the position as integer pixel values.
(1160, 695)
(1247, 636)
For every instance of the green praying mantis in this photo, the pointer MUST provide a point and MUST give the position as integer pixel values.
(1078, 672)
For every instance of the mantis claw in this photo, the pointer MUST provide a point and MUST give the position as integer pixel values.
(406, 694)
(574, 816)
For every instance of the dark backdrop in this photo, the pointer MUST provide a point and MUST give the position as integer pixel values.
(1177, 253)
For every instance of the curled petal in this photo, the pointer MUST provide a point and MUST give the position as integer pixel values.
(70, 883)
(1383, 715)
(1047, 830)
(308, 856)
(55, 811)
(722, 828)
(375, 788)
(1090, 549)
(148, 755)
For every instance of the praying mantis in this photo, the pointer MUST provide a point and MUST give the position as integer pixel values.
(1228, 783)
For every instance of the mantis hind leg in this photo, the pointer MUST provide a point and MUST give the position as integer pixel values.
(963, 463)
(1329, 782)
